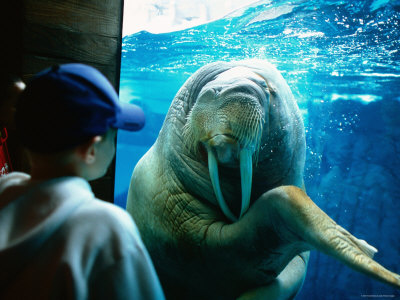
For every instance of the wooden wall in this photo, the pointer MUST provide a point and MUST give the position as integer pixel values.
(41, 33)
(11, 23)
(58, 31)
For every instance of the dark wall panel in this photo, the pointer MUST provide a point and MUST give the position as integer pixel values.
(54, 32)
(72, 31)
(11, 23)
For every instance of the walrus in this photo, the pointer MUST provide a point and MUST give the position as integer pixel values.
(219, 199)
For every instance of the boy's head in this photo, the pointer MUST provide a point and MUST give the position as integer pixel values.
(69, 106)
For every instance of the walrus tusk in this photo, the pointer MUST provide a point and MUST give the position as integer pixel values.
(246, 174)
(213, 170)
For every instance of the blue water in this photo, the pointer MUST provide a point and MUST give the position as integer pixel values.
(342, 62)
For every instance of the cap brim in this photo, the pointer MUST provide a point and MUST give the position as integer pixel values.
(130, 117)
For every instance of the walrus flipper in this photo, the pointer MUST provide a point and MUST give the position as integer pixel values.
(306, 222)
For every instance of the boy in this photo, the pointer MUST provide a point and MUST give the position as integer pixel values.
(57, 241)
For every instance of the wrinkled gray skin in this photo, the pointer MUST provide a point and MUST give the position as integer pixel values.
(226, 119)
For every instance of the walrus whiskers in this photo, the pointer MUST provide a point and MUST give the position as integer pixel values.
(250, 133)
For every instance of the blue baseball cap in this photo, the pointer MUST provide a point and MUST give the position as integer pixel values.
(65, 105)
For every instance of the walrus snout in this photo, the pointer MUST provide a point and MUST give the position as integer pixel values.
(226, 149)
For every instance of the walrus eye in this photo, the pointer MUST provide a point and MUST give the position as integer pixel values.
(217, 91)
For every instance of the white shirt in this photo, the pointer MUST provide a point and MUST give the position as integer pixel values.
(57, 241)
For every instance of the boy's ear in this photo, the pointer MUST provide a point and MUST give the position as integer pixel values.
(88, 150)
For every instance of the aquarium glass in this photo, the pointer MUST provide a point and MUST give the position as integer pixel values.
(342, 62)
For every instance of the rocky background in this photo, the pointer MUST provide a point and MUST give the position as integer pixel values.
(353, 174)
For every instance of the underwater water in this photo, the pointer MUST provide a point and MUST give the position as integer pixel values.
(342, 62)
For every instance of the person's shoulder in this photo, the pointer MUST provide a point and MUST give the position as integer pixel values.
(112, 212)
(107, 218)
(13, 178)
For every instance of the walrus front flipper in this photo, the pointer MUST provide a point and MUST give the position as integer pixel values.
(305, 222)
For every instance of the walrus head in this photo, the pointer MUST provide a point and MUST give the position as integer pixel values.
(227, 123)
